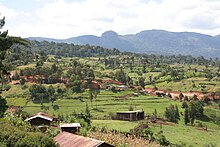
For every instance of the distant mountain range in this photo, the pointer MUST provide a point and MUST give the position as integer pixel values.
(152, 42)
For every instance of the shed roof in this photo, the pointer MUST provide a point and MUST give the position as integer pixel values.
(130, 111)
(41, 115)
(66, 139)
(63, 125)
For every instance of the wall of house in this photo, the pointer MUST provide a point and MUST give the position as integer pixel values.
(39, 121)
(69, 129)
(126, 116)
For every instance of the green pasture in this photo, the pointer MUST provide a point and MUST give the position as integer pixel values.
(176, 133)
(115, 124)
(190, 84)
(108, 103)
(188, 135)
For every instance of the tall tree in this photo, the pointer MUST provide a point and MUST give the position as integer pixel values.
(172, 113)
(121, 76)
(51, 94)
(6, 43)
(186, 116)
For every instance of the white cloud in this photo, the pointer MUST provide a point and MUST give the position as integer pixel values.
(62, 19)
(7, 12)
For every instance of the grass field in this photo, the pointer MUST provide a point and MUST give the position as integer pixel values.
(176, 134)
(108, 103)
(188, 135)
(105, 103)
(115, 124)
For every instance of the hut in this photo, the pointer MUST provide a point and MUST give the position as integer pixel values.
(41, 118)
(130, 115)
(122, 87)
(66, 139)
(71, 127)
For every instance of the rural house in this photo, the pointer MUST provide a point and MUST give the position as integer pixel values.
(131, 115)
(71, 127)
(41, 118)
(66, 139)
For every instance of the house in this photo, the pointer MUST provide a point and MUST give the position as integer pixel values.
(122, 87)
(130, 115)
(112, 82)
(66, 139)
(15, 82)
(41, 118)
(174, 94)
(71, 127)
(149, 90)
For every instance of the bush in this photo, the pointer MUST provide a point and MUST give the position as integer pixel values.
(130, 108)
(161, 139)
(7, 87)
(36, 139)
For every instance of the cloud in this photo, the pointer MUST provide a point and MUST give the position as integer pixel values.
(7, 12)
(67, 18)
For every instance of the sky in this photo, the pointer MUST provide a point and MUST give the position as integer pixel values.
(63, 19)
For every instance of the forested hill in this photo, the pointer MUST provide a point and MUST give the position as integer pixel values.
(69, 50)
(153, 42)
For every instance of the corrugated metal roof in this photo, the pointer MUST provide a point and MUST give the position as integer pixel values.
(136, 111)
(41, 115)
(66, 139)
(70, 125)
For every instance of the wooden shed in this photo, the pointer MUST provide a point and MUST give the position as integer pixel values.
(70, 127)
(41, 118)
(66, 139)
(130, 115)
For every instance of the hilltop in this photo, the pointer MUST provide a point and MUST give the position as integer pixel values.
(151, 42)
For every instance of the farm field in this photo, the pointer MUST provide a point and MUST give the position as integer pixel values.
(108, 103)
(175, 133)
(66, 74)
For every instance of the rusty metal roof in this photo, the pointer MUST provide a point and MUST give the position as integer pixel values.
(66, 139)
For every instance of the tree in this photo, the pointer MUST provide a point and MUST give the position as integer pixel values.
(194, 98)
(54, 68)
(181, 96)
(90, 76)
(172, 113)
(141, 82)
(75, 83)
(51, 93)
(3, 106)
(88, 116)
(121, 76)
(6, 43)
(93, 95)
(186, 116)
(38, 93)
(184, 104)
(177, 114)
(192, 112)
